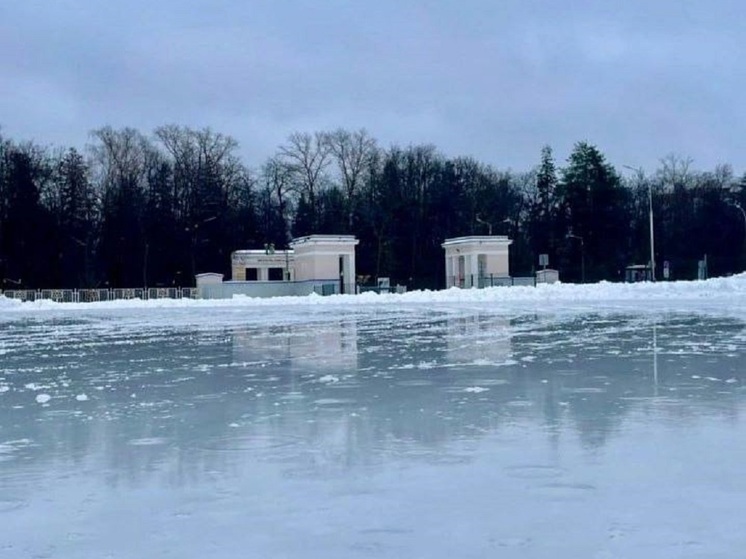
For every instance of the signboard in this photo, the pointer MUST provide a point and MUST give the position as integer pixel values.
(544, 260)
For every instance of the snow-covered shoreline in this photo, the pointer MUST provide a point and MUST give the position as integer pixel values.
(727, 290)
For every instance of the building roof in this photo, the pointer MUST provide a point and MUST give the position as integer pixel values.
(477, 239)
(261, 251)
(324, 239)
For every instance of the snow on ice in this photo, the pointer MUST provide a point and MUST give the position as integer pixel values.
(728, 289)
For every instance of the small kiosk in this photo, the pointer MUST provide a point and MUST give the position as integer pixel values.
(326, 258)
(323, 264)
(477, 260)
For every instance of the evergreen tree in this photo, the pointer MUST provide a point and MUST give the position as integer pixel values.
(120, 158)
(306, 216)
(76, 222)
(543, 209)
(333, 213)
(26, 226)
(164, 238)
(595, 213)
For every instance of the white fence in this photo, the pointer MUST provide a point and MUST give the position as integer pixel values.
(91, 295)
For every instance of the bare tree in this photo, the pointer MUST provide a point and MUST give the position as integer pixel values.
(204, 164)
(307, 157)
(120, 160)
(675, 171)
(277, 181)
(353, 153)
(723, 177)
(120, 157)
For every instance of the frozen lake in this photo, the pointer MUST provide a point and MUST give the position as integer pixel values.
(413, 430)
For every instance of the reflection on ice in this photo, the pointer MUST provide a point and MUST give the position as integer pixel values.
(329, 346)
(370, 431)
(479, 339)
(464, 374)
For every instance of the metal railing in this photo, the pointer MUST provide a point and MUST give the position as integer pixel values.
(382, 289)
(333, 288)
(94, 295)
(473, 280)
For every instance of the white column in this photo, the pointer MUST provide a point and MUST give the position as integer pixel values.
(353, 270)
(473, 270)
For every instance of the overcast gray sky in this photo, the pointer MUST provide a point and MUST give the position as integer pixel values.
(494, 79)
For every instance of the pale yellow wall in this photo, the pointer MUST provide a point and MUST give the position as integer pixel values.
(304, 267)
(240, 260)
(238, 273)
(498, 264)
(312, 258)
(318, 266)
(320, 260)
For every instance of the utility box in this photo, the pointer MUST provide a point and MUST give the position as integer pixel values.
(638, 272)
(547, 276)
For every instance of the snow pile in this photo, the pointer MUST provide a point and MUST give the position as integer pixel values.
(6, 303)
(730, 290)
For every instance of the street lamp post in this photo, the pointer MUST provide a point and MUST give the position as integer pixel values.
(478, 219)
(652, 233)
(582, 255)
(641, 177)
(743, 213)
(17, 283)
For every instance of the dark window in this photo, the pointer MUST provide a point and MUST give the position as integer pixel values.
(252, 274)
(276, 274)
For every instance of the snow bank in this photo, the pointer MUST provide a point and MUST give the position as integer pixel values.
(729, 290)
(6, 303)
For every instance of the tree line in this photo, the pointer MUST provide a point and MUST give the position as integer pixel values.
(153, 210)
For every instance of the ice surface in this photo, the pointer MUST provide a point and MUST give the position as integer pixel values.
(476, 389)
(575, 427)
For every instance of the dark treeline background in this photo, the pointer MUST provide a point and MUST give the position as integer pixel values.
(136, 210)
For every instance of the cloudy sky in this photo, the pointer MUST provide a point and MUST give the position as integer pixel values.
(493, 79)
